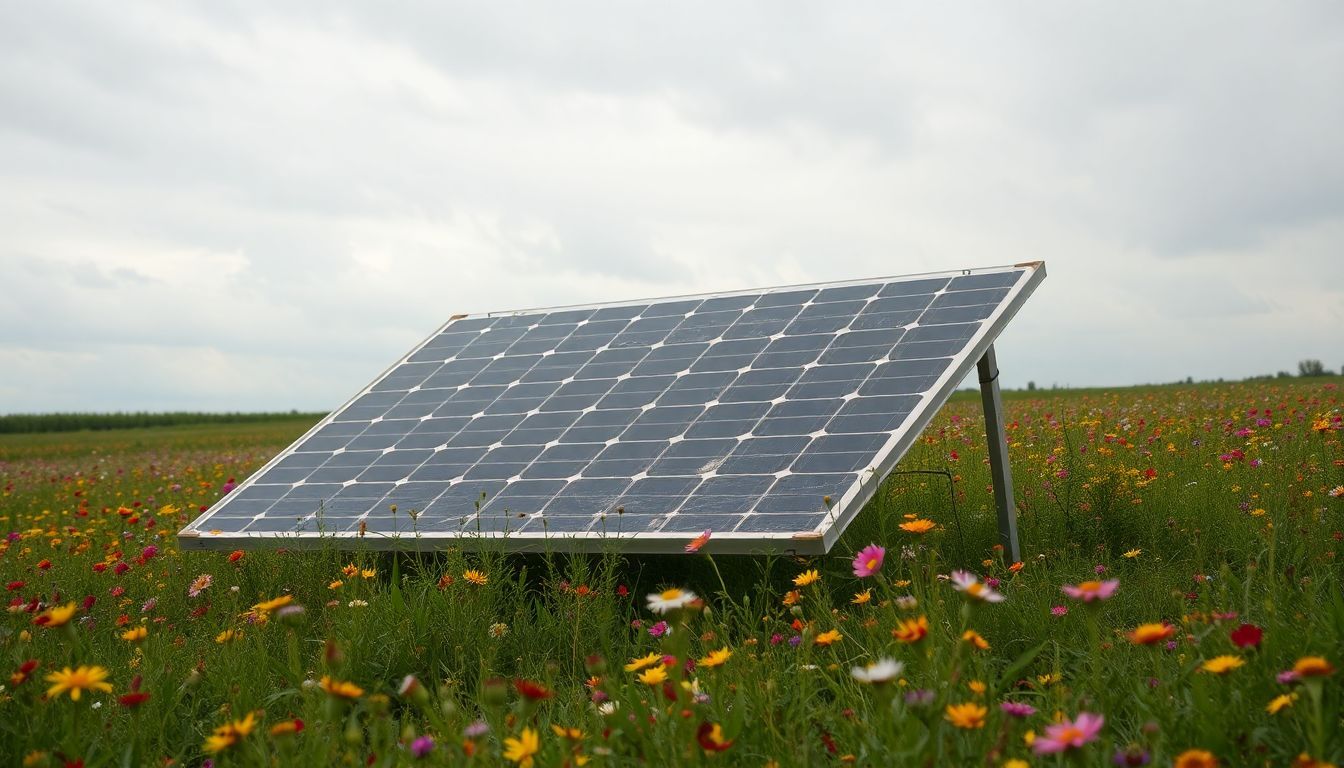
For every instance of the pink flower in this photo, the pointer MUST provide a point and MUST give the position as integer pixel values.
(1059, 610)
(1069, 734)
(868, 561)
(1017, 709)
(660, 629)
(1092, 590)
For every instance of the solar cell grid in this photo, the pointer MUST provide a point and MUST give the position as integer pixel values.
(741, 413)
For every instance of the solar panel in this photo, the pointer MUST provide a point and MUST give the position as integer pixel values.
(767, 416)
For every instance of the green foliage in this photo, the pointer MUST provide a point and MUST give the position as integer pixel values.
(1209, 511)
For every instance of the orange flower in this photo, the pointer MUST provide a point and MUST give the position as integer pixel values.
(1149, 634)
(1313, 666)
(911, 630)
(340, 688)
(969, 715)
(235, 555)
(975, 640)
(1195, 758)
(918, 526)
(828, 637)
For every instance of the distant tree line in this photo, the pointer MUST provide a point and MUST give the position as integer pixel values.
(71, 422)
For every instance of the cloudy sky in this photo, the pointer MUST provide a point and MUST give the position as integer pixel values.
(229, 207)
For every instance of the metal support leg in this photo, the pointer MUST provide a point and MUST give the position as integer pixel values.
(1001, 474)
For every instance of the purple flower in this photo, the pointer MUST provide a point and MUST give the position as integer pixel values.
(476, 729)
(1133, 755)
(422, 746)
(1100, 569)
(795, 640)
(1017, 709)
(1287, 677)
(919, 697)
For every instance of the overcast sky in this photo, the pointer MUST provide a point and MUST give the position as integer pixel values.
(229, 207)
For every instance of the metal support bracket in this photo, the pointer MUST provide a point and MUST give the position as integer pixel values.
(1001, 474)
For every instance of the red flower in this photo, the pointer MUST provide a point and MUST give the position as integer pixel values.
(14, 586)
(99, 567)
(133, 699)
(1247, 635)
(25, 669)
(529, 689)
(44, 564)
(710, 736)
(121, 568)
(89, 600)
(235, 555)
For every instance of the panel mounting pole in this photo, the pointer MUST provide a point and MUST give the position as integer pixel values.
(1001, 474)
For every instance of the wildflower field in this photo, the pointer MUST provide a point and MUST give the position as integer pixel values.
(1178, 603)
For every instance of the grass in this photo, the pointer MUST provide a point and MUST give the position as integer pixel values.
(1212, 506)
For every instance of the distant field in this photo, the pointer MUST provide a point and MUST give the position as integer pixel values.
(1217, 510)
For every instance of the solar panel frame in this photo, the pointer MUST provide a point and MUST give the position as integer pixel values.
(770, 534)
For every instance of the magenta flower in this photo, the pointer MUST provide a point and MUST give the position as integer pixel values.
(1092, 590)
(422, 746)
(868, 561)
(1017, 709)
(1067, 734)
(1059, 610)
(660, 629)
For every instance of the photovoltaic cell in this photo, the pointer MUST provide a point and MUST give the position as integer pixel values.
(765, 416)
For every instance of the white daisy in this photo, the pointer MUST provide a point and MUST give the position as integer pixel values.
(670, 600)
(965, 581)
(884, 670)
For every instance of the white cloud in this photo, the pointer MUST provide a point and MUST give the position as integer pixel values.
(262, 209)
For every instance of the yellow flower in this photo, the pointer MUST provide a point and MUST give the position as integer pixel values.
(368, 573)
(135, 634)
(1313, 666)
(1195, 758)
(337, 584)
(806, 577)
(1280, 703)
(715, 658)
(653, 675)
(1133, 553)
(828, 637)
(918, 526)
(644, 661)
(340, 688)
(1221, 665)
(479, 579)
(227, 635)
(522, 749)
(1049, 679)
(78, 680)
(273, 604)
(228, 734)
(969, 715)
(57, 616)
(573, 734)
(975, 640)
(862, 597)
(1016, 763)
